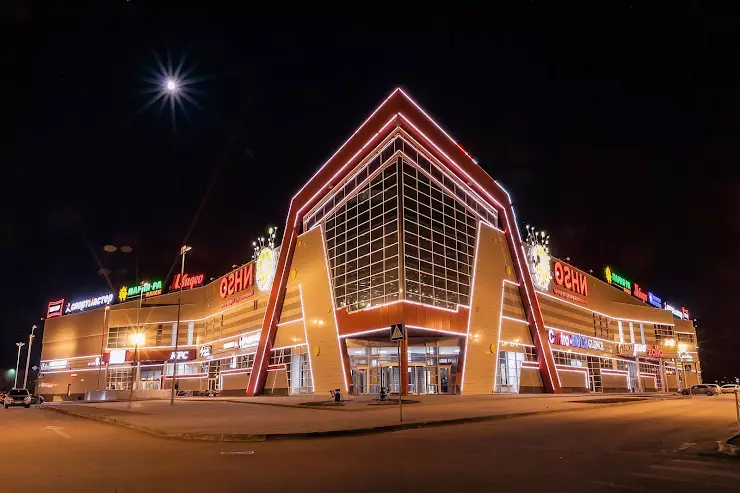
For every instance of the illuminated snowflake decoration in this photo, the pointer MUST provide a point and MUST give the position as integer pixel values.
(538, 256)
(266, 257)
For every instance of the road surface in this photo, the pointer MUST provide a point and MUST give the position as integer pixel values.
(645, 447)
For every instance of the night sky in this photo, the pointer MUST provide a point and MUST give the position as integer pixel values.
(614, 130)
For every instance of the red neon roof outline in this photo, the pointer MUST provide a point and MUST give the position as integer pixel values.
(399, 110)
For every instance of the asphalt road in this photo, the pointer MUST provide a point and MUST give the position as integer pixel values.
(646, 447)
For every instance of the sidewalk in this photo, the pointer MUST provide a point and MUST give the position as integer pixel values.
(262, 418)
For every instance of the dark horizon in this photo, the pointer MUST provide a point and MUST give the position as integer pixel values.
(615, 137)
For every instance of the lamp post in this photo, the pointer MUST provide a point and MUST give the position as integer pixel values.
(102, 347)
(184, 250)
(137, 338)
(28, 357)
(17, 361)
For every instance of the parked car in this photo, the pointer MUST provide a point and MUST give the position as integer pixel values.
(17, 397)
(729, 388)
(702, 389)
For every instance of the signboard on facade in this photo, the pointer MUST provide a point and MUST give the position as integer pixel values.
(249, 341)
(655, 301)
(115, 357)
(617, 280)
(54, 309)
(84, 304)
(640, 294)
(676, 313)
(575, 281)
(626, 349)
(186, 281)
(205, 351)
(655, 352)
(236, 281)
(182, 355)
(574, 340)
(148, 289)
(58, 364)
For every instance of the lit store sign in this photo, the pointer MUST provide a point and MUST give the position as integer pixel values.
(78, 306)
(655, 301)
(249, 341)
(640, 294)
(55, 308)
(187, 281)
(617, 280)
(238, 280)
(148, 289)
(676, 313)
(185, 355)
(572, 279)
(574, 340)
(58, 364)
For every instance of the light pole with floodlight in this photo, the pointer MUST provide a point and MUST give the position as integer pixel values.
(185, 249)
(17, 362)
(28, 357)
(138, 339)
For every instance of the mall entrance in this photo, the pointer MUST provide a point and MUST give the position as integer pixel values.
(431, 366)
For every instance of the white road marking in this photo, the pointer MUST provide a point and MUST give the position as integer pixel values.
(693, 470)
(58, 431)
(686, 445)
(239, 452)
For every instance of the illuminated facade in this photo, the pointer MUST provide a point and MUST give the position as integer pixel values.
(401, 225)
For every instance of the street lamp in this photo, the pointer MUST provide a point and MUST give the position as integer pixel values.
(183, 251)
(171, 85)
(17, 361)
(137, 339)
(28, 358)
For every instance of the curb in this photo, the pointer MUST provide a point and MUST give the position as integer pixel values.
(214, 437)
(258, 437)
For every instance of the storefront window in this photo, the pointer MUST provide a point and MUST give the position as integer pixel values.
(362, 245)
(119, 379)
(118, 337)
(439, 242)
(297, 366)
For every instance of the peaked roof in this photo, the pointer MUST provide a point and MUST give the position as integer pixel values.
(399, 110)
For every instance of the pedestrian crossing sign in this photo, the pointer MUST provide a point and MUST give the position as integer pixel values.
(398, 332)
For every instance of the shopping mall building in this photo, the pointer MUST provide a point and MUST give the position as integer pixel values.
(400, 226)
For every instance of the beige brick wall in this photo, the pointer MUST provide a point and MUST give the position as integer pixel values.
(490, 272)
(309, 270)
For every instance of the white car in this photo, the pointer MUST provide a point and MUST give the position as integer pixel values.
(17, 397)
(729, 388)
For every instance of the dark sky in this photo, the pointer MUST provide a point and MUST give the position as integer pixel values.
(616, 130)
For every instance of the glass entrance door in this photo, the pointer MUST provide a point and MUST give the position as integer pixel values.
(594, 372)
(360, 380)
(214, 369)
(418, 379)
(389, 378)
(445, 373)
(633, 377)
